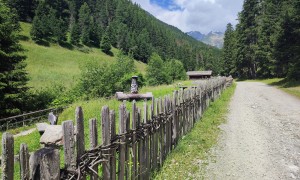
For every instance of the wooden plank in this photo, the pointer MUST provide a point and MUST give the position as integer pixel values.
(127, 159)
(7, 162)
(122, 149)
(143, 148)
(161, 136)
(93, 143)
(50, 164)
(146, 144)
(24, 162)
(105, 140)
(166, 126)
(170, 122)
(155, 138)
(69, 145)
(112, 118)
(140, 149)
(174, 120)
(80, 142)
(151, 138)
(134, 144)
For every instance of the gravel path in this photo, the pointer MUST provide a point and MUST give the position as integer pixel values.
(261, 139)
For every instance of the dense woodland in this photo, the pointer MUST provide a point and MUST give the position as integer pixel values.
(94, 23)
(265, 42)
(120, 23)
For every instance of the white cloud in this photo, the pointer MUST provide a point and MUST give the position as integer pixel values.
(197, 15)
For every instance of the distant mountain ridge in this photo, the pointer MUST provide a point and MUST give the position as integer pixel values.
(212, 38)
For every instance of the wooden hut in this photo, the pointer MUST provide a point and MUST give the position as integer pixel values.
(194, 75)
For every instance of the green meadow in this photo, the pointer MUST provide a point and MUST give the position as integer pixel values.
(52, 64)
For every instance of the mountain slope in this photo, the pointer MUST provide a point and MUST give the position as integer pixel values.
(52, 65)
(215, 39)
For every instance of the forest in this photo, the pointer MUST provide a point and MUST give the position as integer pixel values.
(100, 24)
(117, 23)
(266, 41)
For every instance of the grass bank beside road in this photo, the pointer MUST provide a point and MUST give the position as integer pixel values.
(291, 87)
(187, 160)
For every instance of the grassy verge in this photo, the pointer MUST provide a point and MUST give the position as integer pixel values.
(186, 160)
(291, 87)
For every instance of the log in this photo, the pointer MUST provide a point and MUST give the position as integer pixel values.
(122, 96)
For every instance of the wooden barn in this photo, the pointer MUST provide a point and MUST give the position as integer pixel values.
(194, 75)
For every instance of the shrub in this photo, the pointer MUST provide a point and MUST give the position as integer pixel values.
(175, 70)
(156, 72)
(105, 80)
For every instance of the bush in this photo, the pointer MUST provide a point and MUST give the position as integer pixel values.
(105, 80)
(175, 70)
(156, 72)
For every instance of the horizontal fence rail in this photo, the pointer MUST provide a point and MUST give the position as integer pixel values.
(27, 119)
(145, 137)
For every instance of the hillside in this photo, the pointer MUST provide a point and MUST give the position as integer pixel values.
(56, 65)
(114, 23)
(215, 39)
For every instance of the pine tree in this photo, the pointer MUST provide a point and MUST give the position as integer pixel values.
(24, 8)
(105, 42)
(41, 29)
(50, 21)
(267, 31)
(85, 23)
(247, 38)
(75, 34)
(13, 77)
(287, 46)
(228, 50)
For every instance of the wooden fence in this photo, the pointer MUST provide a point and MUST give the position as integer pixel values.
(27, 118)
(144, 139)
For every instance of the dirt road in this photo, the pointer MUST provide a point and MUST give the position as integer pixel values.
(261, 139)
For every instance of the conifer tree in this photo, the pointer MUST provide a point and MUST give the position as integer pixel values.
(105, 42)
(75, 34)
(85, 23)
(13, 77)
(228, 50)
(247, 38)
(287, 46)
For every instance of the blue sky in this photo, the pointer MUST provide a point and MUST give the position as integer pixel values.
(166, 4)
(194, 15)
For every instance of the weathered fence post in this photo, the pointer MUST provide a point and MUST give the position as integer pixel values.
(93, 143)
(69, 145)
(146, 143)
(7, 163)
(106, 141)
(127, 159)
(134, 144)
(174, 120)
(24, 162)
(155, 140)
(80, 134)
(151, 137)
(112, 118)
(123, 146)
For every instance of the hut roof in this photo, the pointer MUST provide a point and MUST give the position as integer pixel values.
(199, 73)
